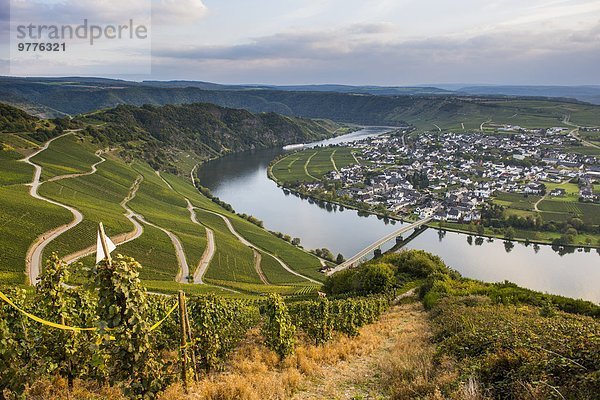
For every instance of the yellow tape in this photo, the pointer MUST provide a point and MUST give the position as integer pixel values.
(156, 325)
(43, 321)
(73, 328)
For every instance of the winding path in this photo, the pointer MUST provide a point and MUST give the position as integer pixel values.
(209, 252)
(33, 259)
(92, 171)
(252, 246)
(333, 161)
(306, 166)
(118, 239)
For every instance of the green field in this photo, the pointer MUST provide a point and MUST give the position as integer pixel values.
(161, 202)
(311, 164)
(297, 259)
(12, 171)
(66, 155)
(97, 196)
(516, 201)
(589, 213)
(22, 220)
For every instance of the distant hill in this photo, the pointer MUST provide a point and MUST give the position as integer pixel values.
(590, 94)
(442, 110)
(205, 130)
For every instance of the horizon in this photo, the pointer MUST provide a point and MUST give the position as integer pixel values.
(373, 43)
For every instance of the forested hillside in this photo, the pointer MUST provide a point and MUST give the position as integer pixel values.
(423, 111)
(202, 130)
(13, 119)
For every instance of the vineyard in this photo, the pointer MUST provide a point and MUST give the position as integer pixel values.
(113, 332)
(185, 240)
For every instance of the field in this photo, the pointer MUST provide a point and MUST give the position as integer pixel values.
(311, 164)
(67, 155)
(589, 213)
(97, 196)
(516, 201)
(159, 199)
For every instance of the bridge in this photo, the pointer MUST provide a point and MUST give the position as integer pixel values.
(351, 262)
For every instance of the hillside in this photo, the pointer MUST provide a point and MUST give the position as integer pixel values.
(54, 191)
(202, 130)
(417, 107)
(13, 119)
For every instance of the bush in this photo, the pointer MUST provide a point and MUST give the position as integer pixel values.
(278, 329)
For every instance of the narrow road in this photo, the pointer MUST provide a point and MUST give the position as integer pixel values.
(33, 259)
(259, 271)
(483, 123)
(333, 161)
(209, 252)
(247, 243)
(439, 129)
(118, 239)
(306, 166)
(535, 205)
(91, 172)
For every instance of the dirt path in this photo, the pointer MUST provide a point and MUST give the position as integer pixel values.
(389, 345)
(535, 205)
(252, 246)
(333, 161)
(483, 123)
(91, 172)
(33, 259)
(259, 271)
(118, 239)
(306, 166)
(209, 252)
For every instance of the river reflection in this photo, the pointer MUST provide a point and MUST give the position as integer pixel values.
(241, 180)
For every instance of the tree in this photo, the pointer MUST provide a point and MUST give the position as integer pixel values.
(296, 241)
(340, 258)
(509, 233)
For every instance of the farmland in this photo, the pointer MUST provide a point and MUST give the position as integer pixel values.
(102, 186)
(311, 164)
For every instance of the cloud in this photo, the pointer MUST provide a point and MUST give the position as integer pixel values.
(376, 54)
(177, 11)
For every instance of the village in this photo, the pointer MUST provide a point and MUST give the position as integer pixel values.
(450, 175)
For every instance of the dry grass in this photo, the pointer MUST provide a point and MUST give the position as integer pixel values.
(57, 389)
(390, 358)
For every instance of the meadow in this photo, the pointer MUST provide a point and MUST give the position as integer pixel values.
(311, 165)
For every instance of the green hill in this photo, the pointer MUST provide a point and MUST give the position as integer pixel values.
(421, 108)
(158, 134)
(101, 173)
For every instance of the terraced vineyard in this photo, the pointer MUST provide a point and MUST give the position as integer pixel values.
(161, 220)
(311, 164)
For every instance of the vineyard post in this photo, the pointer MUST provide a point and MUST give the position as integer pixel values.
(189, 337)
(183, 343)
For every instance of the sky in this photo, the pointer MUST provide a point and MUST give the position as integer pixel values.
(368, 42)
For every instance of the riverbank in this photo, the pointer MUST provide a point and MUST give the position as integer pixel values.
(521, 235)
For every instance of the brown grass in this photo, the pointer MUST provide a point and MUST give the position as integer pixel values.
(56, 389)
(390, 358)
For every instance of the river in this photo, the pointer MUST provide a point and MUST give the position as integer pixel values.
(241, 180)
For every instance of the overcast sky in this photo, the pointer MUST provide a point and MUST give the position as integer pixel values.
(378, 42)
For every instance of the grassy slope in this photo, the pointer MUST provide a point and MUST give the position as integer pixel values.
(296, 258)
(12, 171)
(165, 208)
(65, 156)
(97, 197)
